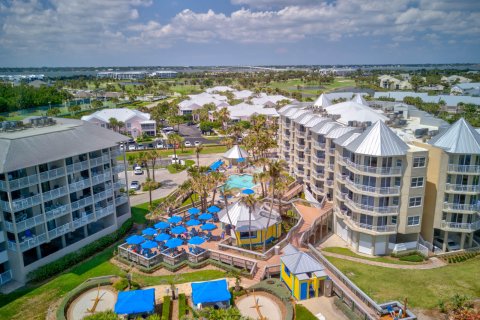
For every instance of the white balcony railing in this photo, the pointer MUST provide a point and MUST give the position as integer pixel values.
(79, 166)
(101, 177)
(79, 185)
(25, 224)
(463, 168)
(82, 203)
(55, 193)
(371, 227)
(23, 182)
(56, 211)
(63, 229)
(105, 211)
(52, 174)
(121, 200)
(462, 187)
(5, 205)
(461, 207)
(28, 243)
(318, 160)
(116, 153)
(358, 206)
(461, 226)
(84, 220)
(3, 185)
(373, 170)
(118, 168)
(99, 160)
(25, 203)
(5, 277)
(102, 195)
(378, 190)
(319, 145)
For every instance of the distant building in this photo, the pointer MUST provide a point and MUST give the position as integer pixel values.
(433, 87)
(455, 78)
(467, 88)
(197, 101)
(125, 75)
(451, 101)
(269, 100)
(163, 74)
(389, 82)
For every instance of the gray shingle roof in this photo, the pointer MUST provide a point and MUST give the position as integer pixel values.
(460, 138)
(67, 138)
(300, 262)
(378, 140)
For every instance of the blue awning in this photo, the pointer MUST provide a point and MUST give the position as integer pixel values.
(135, 302)
(205, 216)
(208, 226)
(149, 232)
(174, 219)
(162, 237)
(196, 241)
(192, 222)
(173, 243)
(217, 164)
(210, 291)
(149, 244)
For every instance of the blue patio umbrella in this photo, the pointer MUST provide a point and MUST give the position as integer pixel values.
(193, 210)
(196, 241)
(135, 239)
(178, 230)
(192, 222)
(174, 219)
(248, 191)
(208, 226)
(241, 160)
(149, 231)
(173, 243)
(162, 237)
(161, 225)
(149, 244)
(213, 209)
(205, 216)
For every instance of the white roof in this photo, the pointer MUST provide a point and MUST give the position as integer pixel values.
(338, 132)
(244, 94)
(264, 98)
(460, 138)
(346, 138)
(353, 111)
(243, 110)
(240, 214)
(301, 263)
(322, 101)
(235, 153)
(359, 99)
(325, 127)
(219, 89)
(197, 101)
(314, 121)
(121, 114)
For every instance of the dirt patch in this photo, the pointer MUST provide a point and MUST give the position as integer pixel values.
(79, 308)
(269, 306)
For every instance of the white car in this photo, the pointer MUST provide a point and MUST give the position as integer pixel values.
(160, 145)
(176, 160)
(197, 143)
(451, 245)
(188, 144)
(166, 129)
(140, 147)
(135, 185)
(131, 147)
(138, 170)
(122, 147)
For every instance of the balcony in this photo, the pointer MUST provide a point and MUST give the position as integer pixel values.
(301, 133)
(55, 193)
(341, 177)
(355, 206)
(465, 227)
(331, 150)
(101, 177)
(25, 203)
(79, 185)
(369, 189)
(56, 211)
(5, 277)
(84, 220)
(121, 200)
(300, 159)
(21, 182)
(79, 166)
(102, 195)
(52, 174)
(301, 147)
(5, 205)
(99, 160)
(116, 153)
(3, 185)
(28, 243)
(330, 167)
(26, 223)
(118, 168)
(387, 171)
(299, 172)
(318, 160)
(104, 211)
(319, 145)
(458, 168)
(462, 187)
(461, 207)
(317, 190)
(389, 228)
(341, 195)
(82, 203)
(329, 182)
(119, 184)
(63, 229)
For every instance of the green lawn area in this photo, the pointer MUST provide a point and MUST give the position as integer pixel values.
(176, 169)
(186, 89)
(186, 151)
(303, 313)
(424, 288)
(139, 211)
(189, 199)
(348, 252)
(291, 85)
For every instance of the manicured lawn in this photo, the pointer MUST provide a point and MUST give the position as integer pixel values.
(176, 169)
(303, 313)
(186, 151)
(424, 288)
(291, 85)
(139, 211)
(186, 89)
(189, 199)
(348, 252)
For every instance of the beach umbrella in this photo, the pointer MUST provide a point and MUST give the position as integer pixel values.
(149, 232)
(192, 222)
(173, 243)
(248, 191)
(161, 225)
(149, 244)
(135, 239)
(213, 209)
(208, 226)
(162, 237)
(196, 241)
(205, 216)
(193, 210)
(174, 219)
(241, 160)
(178, 230)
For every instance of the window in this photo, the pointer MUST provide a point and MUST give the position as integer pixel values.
(419, 162)
(398, 181)
(248, 235)
(394, 220)
(415, 202)
(413, 221)
(286, 270)
(129, 125)
(417, 182)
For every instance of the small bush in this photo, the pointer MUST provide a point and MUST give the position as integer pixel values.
(166, 308)
(182, 305)
(412, 258)
(122, 284)
(151, 185)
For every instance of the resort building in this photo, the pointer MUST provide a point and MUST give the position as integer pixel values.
(124, 75)
(244, 111)
(452, 197)
(136, 123)
(303, 275)
(197, 101)
(61, 187)
(249, 225)
(389, 82)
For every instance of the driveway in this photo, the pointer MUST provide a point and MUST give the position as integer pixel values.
(192, 134)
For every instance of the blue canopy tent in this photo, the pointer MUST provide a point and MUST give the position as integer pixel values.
(135, 239)
(173, 243)
(162, 237)
(149, 232)
(161, 225)
(135, 302)
(175, 219)
(178, 230)
(149, 244)
(196, 241)
(193, 211)
(211, 292)
(213, 209)
(217, 164)
(205, 216)
(208, 226)
(248, 191)
(192, 222)
(241, 160)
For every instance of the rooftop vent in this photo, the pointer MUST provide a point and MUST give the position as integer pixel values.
(42, 121)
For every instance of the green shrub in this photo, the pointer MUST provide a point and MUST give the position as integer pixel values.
(182, 305)
(122, 284)
(151, 185)
(166, 308)
(412, 258)
(69, 260)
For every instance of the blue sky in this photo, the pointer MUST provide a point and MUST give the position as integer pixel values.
(237, 32)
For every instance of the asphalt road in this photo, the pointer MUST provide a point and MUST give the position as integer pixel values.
(192, 134)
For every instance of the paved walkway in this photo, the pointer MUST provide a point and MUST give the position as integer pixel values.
(324, 306)
(431, 264)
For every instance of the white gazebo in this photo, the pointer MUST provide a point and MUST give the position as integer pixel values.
(236, 155)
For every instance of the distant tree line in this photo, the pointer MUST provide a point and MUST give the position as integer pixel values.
(13, 98)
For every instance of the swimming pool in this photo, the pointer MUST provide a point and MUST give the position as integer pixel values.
(243, 181)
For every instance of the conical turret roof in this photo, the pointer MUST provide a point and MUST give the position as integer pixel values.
(322, 101)
(460, 138)
(358, 98)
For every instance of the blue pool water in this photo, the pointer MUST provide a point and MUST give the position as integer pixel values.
(240, 181)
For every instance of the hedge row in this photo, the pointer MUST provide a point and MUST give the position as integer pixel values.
(412, 258)
(462, 257)
(182, 305)
(71, 259)
(166, 308)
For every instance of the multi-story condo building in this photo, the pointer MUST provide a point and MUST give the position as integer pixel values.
(376, 181)
(61, 187)
(452, 198)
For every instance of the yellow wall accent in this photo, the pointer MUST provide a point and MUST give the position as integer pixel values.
(274, 230)
(294, 284)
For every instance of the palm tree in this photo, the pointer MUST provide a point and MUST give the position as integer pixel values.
(153, 155)
(113, 123)
(198, 149)
(225, 192)
(217, 178)
(224, 115)
(143, 157)
(250, 201)
(228, 142)
(174, 139)
(121, 126)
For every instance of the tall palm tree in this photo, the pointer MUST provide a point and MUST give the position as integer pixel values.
(153, 155)
(228, 142)
(198, 149)
(121, 126)
(225, 192)
(143, 158)
(224, 116)
(174, 139)
(217, 178)
(250, 201)
(113, 123)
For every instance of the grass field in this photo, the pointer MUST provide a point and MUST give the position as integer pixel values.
(186, 151)
(303, 313)
(291, 85)
(424, 288)
(348, 252)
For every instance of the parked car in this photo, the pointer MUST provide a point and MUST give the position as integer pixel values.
(150, 146)
(166, 129)
(175, 160)
(160, 145)
(131, 147)
(197, 143)
(188, 144)
(170, 132)
(122, 147)
(138, 170)
(134, 185)
(140, 147)
(451, 245)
